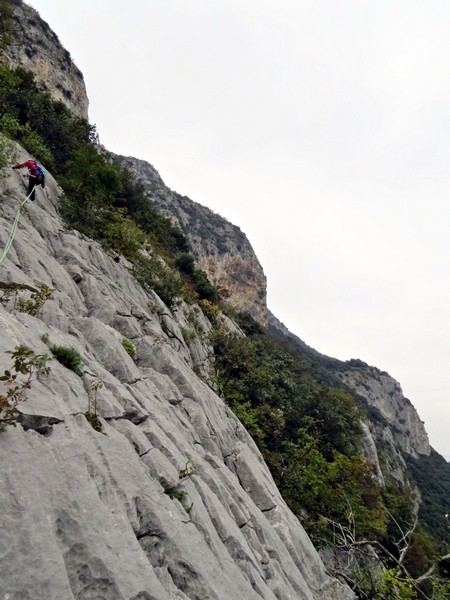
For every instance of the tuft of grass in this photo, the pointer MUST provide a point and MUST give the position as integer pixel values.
(69, 357)
(129, 347)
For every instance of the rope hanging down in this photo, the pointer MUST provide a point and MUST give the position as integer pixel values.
(12, 235)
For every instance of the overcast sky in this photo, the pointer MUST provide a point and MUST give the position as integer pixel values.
(322, 129)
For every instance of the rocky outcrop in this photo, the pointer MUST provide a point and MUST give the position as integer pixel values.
(38, 49)
(171, 499)
(392, 409)
(221, 249)
(394, 424)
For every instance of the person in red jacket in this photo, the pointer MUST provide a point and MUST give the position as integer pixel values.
(36, 176)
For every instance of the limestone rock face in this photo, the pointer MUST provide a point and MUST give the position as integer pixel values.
(172, 499)
(39, 50)
(394, 423)
(382, 392)
(221, 249)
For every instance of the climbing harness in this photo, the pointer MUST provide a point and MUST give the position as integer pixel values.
(12, 235)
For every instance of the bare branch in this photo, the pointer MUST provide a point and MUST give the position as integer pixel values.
(429, 574)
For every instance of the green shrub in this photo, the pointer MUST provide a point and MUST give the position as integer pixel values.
(192, 319)
(432, 476)
(189, 335)
(197, 278)
(89, 183)
(204, 288)
(93, 420)
(122, 234)
(7, 155)
(211, 309)
(69, 357)
(91, 413)
(151, 272)
(185, 263)
(308, 433)
(36, 300)
(177, 492)
(17, 380)
(35, 145)
(129, 347)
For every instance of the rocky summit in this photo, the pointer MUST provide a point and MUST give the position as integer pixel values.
(37, 48)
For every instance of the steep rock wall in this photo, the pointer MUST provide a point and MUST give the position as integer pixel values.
(384, 393)
(87, 514)
(38, 49)
(394, 422)
(221, 249)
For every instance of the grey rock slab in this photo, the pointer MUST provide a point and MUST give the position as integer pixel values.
(84, 514)
(106, 344)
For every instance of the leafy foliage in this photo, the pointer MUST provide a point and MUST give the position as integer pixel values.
(15, 294)
(25, 366)
(6, 154)
(197, 278)
(44, 126)
(153, 273)
(36, 301)
(432, 475)
(391, 588)
(309, 434)
(89, 183)
(177, 492)
(93, 420)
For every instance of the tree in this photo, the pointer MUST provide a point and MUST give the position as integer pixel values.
(394, 580)
(89, 183)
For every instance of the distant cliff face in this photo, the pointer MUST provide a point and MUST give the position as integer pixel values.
(393, 428)
(382, 392)
(222, 250)
(38, 49)
(394, 423)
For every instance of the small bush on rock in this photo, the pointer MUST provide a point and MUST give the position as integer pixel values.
(36, 301)
(129, 347)
(26, 365)
(13, 294)
(69, 357)
(94, 421)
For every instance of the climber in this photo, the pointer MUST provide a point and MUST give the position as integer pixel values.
(36, 176)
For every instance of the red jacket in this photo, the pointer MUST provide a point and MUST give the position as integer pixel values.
(31, 164)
